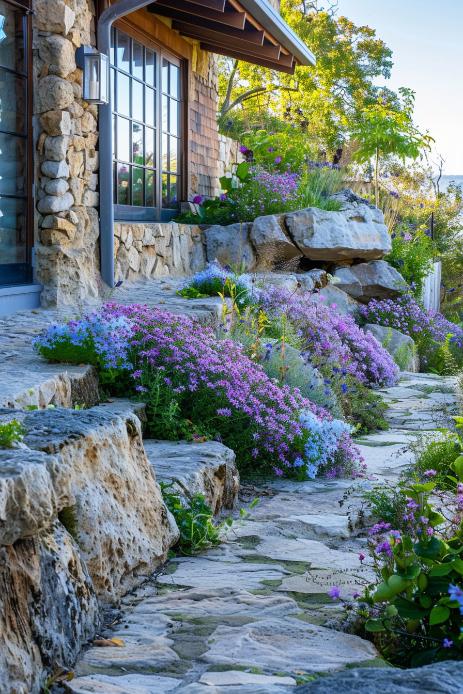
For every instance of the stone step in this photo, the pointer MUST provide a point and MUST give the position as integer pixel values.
(196, 468)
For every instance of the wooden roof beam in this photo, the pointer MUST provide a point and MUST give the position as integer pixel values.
(192, 14)
(248, 57)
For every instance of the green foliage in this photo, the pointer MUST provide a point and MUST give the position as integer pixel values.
(437, 452)
(362, 407)
(386, 503)
(10, 433)
(412, 255)
(194, 519)
(317, 185)
(291, 146)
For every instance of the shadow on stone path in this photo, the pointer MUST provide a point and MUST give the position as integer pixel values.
(253, 616)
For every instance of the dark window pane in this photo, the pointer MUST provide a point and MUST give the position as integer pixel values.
(149, 147)
(13, 167)
(123, 94)
(12, 45)
(112, 53)
(137, 143)
(123, 180)
(13, 104)
(13, 232)
(123, 139)
(173, 122)
(174, 81)
(123, 52)
(137, 100)
(173, 191)
(138, 185)
(137, 60)
(150, 182)
(114, 136)
(165, 76)
(150, 67)
(165, 190)
(150, 112)
(173, 152)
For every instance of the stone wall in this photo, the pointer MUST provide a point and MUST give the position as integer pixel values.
(157, 250)
(66, 162)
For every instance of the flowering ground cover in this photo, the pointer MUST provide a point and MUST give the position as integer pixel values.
(438, 340)
(197, 386)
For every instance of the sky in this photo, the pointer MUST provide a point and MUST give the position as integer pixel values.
(426, 37)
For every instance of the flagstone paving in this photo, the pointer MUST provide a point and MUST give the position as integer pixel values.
(252, 615)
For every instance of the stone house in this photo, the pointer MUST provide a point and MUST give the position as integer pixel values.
(91, 177)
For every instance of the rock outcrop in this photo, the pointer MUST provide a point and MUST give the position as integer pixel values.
(401, 347)
(197, 468)
(374, 280)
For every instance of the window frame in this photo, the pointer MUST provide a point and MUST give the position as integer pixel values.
(15, 274)
(139, 213)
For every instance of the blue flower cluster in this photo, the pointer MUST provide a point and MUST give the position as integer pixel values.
(324, 438)
(106, 337)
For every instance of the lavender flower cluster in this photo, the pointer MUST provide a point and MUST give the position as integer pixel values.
(332, 340)
(213, 383)
(406, 314)
(282, 187)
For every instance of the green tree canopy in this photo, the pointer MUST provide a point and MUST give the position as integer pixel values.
(324, 100)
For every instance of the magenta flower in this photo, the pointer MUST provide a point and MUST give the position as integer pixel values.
(198, 199)
(362, 557)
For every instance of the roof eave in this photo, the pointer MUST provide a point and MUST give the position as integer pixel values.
(273, 22)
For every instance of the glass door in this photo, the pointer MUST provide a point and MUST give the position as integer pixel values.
(15, 164)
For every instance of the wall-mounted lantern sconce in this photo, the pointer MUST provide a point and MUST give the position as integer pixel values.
(95, 66)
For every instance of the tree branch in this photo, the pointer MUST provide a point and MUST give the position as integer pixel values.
(251, 93)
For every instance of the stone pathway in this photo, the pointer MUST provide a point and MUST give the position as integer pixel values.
(253, 616)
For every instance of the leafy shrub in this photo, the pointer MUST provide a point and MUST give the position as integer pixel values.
(412, 255)
(362, 406)
(430, 330)
(434, 456)
(192, 382)
(10, 433)
(318, 184)
(194, 519)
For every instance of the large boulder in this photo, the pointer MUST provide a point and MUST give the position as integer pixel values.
(334, 298)
(374, 280)
(230, 246)
(94, 463)
(197, 468)
(401, 347)
(268, 234)
(357, 231)
(48, 609)
(439, 678)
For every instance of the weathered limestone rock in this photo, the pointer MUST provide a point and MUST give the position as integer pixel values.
(55, 169)
(33, 488)
(56, 17)
(48, 609)
(123, 525)
(55, 203)
(197, 468)
(271, 241)
(58, 53)
(56, 186)
(56, 122)
(230, 245)
(439, 678)
(356, 231)
(53, 93)
(401, 347)
(56, 147)
(335, 298)
(374, 280)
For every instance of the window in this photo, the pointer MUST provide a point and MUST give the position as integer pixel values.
(15, 165)
(147, 107)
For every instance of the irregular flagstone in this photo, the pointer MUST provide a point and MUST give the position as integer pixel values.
(316, 525)
(201, 572)
(238, 677)
(139, 654)
(316, 582)
(122, 684)
(286, 646)
(313, 552)
(439, 678)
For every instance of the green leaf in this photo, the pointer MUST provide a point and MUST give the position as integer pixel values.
(457, 466)
(435, 518)
(439, 614)
(457, 565)
(411, 572)
(242, 170)
(383, 593)
(424, 487)
(374, 625)
(408, 610)
(430, 549)
(226, 183)
(442, 569)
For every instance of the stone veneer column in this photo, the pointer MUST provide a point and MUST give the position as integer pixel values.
(66, 158)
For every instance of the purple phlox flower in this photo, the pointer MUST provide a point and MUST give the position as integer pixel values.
(244, 149)
(447, 643)
(334, 592)
(278, 160)
(224, 412)
(198, 199)
(223, 197)
(378, 528)
(361, 557)
(384, 548)
(430, 473)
